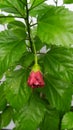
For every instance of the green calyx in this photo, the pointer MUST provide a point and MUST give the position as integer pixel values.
(36, 68)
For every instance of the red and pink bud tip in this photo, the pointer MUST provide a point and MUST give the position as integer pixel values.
(35, 78)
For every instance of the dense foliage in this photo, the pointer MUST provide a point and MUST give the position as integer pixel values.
(30, 26)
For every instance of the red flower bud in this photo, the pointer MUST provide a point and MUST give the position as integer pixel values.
(35, 79)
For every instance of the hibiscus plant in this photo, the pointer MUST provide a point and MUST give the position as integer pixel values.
(36, 61)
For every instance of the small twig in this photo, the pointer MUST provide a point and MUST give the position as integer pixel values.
(33, 24)
(56, 2)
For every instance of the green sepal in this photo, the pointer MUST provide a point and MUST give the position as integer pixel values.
(36, 68)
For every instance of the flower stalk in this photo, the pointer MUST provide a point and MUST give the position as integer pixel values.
(35, 54)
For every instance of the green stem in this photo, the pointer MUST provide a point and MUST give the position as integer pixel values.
(28, 26)
(32, 45)
(35, 54)
(60, 122)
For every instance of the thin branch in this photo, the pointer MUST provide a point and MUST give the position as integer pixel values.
(56, 2)
(28, 26)
(36, 5)
(33, 24)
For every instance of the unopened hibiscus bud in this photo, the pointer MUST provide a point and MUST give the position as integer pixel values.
(35, 78)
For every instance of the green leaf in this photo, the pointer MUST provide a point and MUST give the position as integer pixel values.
(26, 63)
(57, 67)
(32, 113)
(11, 50)
(51, 120)
(38, 43)
(16, 89)
(67, 121)
(3, 101)
(16, 24)
(59, 62)
(20, 33)
(6, 117)
(16, 7)
(35, 3)
(38, 10)
(68, 1)
(18, 29)
(55, 26)
(4, 19)
(58, 93)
